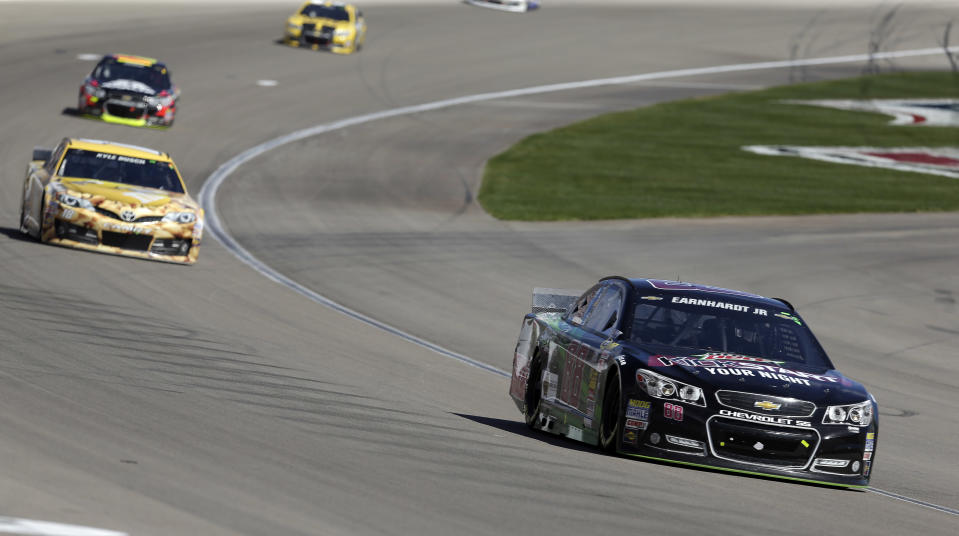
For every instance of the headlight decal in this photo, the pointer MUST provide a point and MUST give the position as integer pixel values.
(859, 414)
(73, 201)
(179, 217)
(659, 386)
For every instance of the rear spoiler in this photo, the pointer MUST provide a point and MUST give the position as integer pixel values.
(554, 300)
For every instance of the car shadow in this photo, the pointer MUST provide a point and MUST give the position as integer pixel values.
(15, 234)
(520, 428)
(71, 112)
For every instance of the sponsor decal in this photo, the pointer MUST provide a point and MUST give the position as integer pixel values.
(633, 403)
(733, 367)
(866, 456)
(719, 305)
(735, 357)
(924, 112)
(636, 424)
(637, 413)
(621, 360)
(788, 316)
(870, 445)
(673, 411)
(121, 158)
(652, 298)
(942, 161)
(124, 228)
(574, 433)
(853, 429)
(608, 344)
(866, 466)
(550, 381)
(67, 214)
(870, 435)
(630, 437)
(764, 418)
(587, 422)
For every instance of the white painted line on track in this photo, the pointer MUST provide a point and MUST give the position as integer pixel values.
(89, 57)
(917, 502)
(267, 83)
(213, 182)
(30, 527)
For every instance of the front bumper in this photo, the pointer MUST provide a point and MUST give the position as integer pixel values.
(88, 230)
(792, 449)
(317, 39)
(130, 113)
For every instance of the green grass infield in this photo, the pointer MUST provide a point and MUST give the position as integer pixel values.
(684, 158)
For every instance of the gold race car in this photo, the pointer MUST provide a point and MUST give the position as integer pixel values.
(334, 26)
(112, 198)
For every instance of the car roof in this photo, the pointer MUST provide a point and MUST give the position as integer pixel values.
(123, 149)
(699, 290)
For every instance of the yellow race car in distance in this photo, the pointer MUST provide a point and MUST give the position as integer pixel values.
(112, 198)
(334, 26)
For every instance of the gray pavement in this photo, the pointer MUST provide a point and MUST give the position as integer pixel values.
(156, 399)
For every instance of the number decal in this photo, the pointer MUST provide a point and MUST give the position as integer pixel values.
(673, 411)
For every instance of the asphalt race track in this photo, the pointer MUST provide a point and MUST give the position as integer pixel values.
(154, 399)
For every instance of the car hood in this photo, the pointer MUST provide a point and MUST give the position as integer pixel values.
(715, 371)
(134, 86)
(112, 195)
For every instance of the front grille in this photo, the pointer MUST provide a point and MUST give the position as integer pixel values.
(126, 241)
(323, 36)
(788, 407)
(760, 444)
(129, 109)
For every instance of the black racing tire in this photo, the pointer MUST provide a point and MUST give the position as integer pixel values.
(23, 227)
(534, 392)
(611, 422)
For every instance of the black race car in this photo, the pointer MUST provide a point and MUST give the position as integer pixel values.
(130, 90)
(692, 374)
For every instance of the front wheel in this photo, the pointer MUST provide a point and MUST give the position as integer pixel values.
(534, 393)
(610, 424)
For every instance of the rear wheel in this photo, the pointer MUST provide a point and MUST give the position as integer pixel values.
(534, 392)
(610, 425)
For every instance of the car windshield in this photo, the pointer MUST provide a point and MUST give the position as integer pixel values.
(155, 77)
(325, 12)
(721, 325)
(110, 167)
